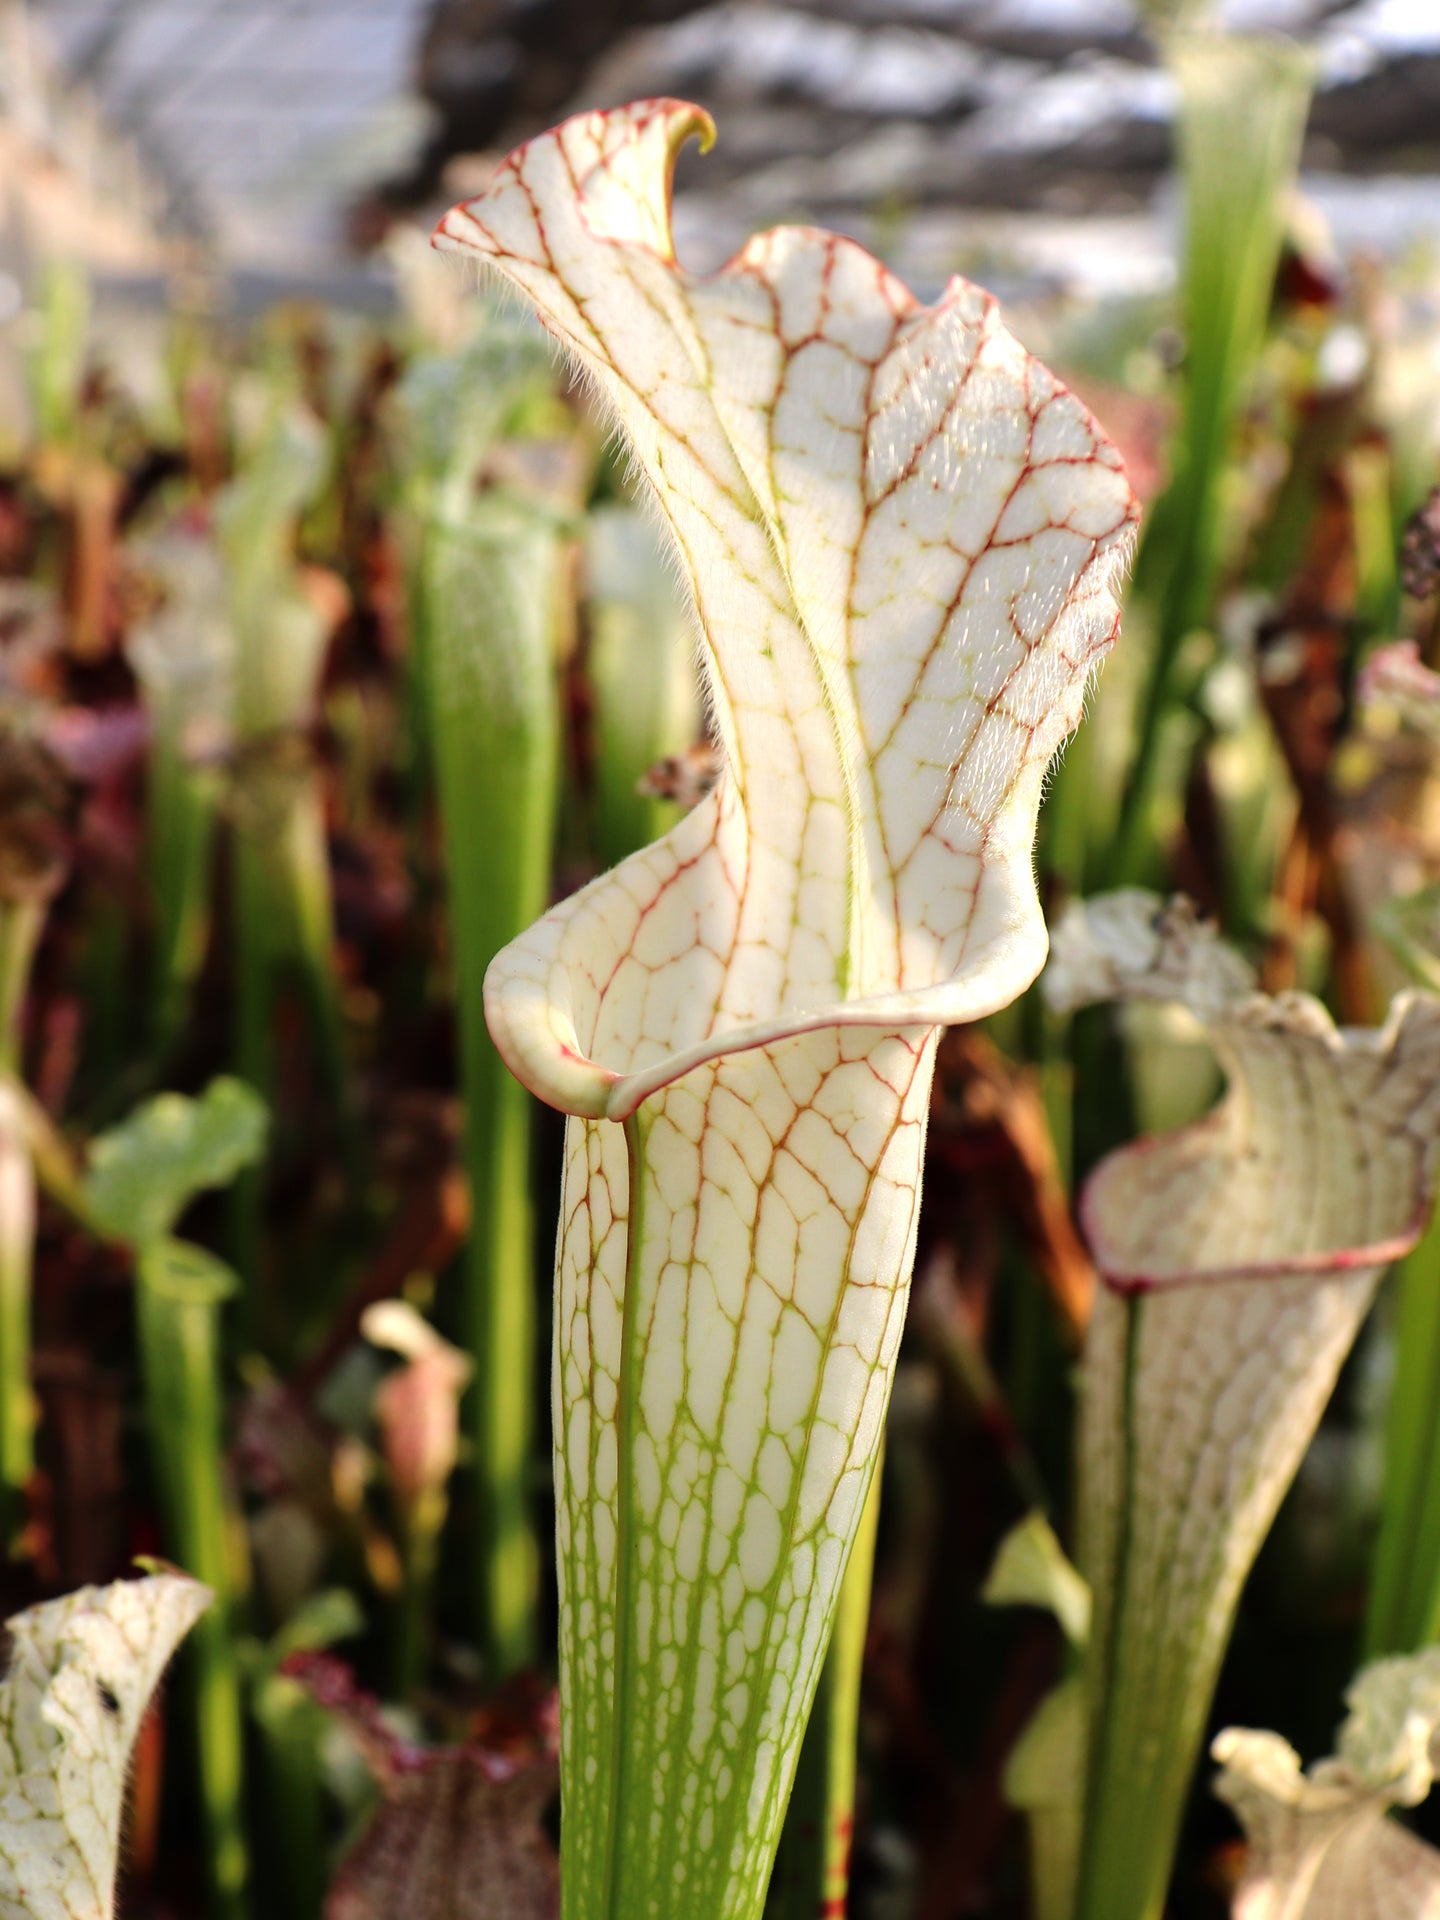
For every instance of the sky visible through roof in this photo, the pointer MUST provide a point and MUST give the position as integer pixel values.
(268, 119)
(263, 119)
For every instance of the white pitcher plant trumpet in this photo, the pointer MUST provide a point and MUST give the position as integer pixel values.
(903, 539)
(1239, 1256)
(1321, 1845)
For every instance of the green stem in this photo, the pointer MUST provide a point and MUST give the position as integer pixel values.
(284, 929)
(291, 1728)
(607, 1900)
(490, 613)
(1243, 104)
(1404, 1608)
(1132, 1806)
(179, 1294)
(305, 880)
(812, 1870)
(640, 666)
(1132, 845)
(253, 937)
(17, 1252)
(21, 922)
(499, 1332)
(1377, 539)
(421, 1534)
(181, 810)
(415, 707)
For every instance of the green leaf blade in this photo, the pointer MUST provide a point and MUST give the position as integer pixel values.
(145, 1172)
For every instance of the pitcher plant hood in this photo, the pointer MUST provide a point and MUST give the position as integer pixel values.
(903, 539)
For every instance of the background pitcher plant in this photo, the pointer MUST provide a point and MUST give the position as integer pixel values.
(81, 1673)
(903, 540)
(1239, 1255)
(1320, 1842)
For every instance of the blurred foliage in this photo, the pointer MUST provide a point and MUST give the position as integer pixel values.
(328, 652)
(142, 1175)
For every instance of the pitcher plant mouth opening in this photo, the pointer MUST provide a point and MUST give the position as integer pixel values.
(902, 539)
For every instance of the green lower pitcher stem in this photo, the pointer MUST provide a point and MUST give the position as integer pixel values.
(179, 1324)
(812, 1869)
(1404, 1607)
(291, 1730)
(21, 923)
(1132, 1806)
(489, 624)
(182, 813)
(499, 1330)
(17, 1252)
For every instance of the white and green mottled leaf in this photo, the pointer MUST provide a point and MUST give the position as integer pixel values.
(1321, 1846)
(82, 1671)
(1239, 1256)
(902, 538)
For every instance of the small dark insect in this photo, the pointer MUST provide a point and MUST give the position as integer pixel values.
(685, 777)
(107, 1699)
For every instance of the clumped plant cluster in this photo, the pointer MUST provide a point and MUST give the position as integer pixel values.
(977, 1387)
